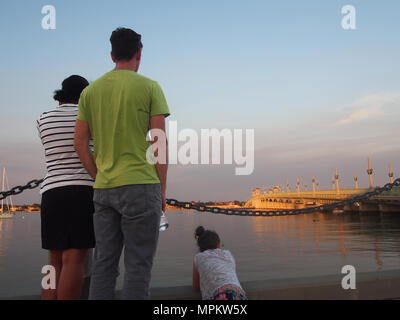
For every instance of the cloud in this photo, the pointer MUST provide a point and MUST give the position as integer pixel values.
(367, 107)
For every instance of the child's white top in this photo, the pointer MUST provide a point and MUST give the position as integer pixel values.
(216, 269)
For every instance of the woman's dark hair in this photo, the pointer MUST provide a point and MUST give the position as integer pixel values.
(125, 43)
(206, 239)
(71, 89)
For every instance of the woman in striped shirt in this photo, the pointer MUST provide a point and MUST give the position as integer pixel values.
(67, 194)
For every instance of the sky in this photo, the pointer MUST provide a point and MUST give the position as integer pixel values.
(317, 96)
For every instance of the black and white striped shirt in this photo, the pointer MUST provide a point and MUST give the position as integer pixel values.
(56, 130)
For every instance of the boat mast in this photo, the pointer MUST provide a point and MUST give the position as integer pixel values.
(2, 189)
(8, 188)
(4, 183)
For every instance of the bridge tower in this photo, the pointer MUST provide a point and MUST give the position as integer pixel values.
(298, 185)
(313, 184)
(370, 171)
(390, 174)
(356, 179)
(337, 181)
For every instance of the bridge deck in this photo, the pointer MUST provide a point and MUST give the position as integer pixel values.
(269, 200)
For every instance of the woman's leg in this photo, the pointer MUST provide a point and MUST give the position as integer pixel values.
(72, 273)
(55, 260)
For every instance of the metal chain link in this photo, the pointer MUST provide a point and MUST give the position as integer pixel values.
(19, 189)
(238, 212)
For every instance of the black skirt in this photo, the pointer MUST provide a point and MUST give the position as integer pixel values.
(67, 218)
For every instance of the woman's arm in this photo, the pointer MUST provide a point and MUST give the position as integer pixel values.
(196, 279)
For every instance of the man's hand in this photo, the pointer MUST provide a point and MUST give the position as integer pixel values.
(164, 201)
(81, 145)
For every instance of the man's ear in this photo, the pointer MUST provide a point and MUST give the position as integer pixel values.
(139, 55)
(113, 58)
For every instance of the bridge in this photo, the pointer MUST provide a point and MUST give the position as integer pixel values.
(279, 199)
(387, 202)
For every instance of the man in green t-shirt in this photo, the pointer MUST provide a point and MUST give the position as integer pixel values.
(117, 111)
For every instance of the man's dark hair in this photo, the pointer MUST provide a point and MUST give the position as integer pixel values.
(206, 239)
(125, 44)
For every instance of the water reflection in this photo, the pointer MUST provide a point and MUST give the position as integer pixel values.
(6, 229)
(263, 247)
(352, 235)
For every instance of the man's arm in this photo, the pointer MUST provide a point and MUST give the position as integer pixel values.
(158, 122)
(81, 144)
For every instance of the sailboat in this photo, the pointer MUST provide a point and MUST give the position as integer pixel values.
(6, 214)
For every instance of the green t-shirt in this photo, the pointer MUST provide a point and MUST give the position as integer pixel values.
(118, 107)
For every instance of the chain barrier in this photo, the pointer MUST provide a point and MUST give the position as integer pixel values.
(19, 189)
(271, 213)
(239, 212)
